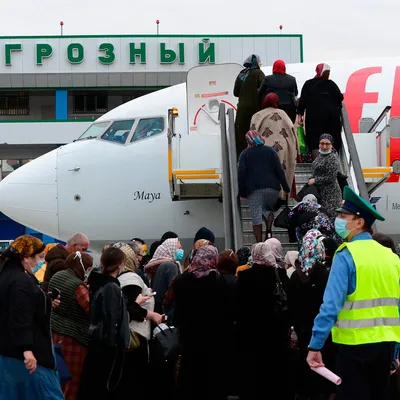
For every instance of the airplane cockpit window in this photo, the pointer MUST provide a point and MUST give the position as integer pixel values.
(148, 127)
(119, 131)
(94, 130)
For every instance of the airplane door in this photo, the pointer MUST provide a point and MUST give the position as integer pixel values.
(207, 87)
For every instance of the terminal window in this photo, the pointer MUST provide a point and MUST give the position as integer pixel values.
(14, 103)
(93, 103)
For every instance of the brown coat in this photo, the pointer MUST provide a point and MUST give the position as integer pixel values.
(55, 259)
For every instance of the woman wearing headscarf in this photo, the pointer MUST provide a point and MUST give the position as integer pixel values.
(305, 295)
(325, 175)
(290, 262)
(198, 244)
(263, 333)
(246, 88)
(278, 132)
(141, 313)
(70, 322)
(321, 100)
(244, 256)
(284, 86)
(308, 214)
(109, 336)
(27, 365)
(162, 269)
(205, 316)
(277, 252)
(261, 178)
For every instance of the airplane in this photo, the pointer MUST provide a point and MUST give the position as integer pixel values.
(113, 182)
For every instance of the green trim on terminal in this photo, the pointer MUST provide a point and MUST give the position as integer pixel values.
(301, 49)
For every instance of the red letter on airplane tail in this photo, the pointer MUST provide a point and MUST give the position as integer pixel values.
(395, 111)
(355, 96)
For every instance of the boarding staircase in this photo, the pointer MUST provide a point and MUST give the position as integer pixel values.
(215, 137)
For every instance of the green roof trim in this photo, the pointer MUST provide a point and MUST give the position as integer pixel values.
(152, 36)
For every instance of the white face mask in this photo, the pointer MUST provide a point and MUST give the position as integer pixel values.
(79, 255)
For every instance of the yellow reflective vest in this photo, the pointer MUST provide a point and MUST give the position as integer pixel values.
(371, 313)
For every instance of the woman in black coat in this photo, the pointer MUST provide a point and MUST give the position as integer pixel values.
(205, 316)
(284, 86)
(321, 100)
(27, 364)
(246, 88)
(108, 332)
(305, 295)
(263, 333)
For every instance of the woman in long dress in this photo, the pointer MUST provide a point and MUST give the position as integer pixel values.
(246, 88)
(325, 171)
(278, 131)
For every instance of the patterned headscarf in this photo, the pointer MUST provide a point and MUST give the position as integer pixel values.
(204, 262)
(251, 62)
(309, 203)
(254, 138)
(311, 251)
(328, 137)
(25, 246)
(261, 254)
(276, 248)
(243, 254)
(131, 261)
(199, 243)
(166, 252)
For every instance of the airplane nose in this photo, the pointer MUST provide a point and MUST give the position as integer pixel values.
(29, 194)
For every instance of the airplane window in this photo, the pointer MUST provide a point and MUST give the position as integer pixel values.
(119, 131)
(148, 127)
(94, 130)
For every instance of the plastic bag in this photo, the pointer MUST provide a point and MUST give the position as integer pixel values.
(302, 140)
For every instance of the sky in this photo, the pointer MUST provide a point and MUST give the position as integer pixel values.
(340, 29)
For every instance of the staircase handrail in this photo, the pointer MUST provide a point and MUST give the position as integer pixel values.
(353, 164)
(226, 180)
(233, 171)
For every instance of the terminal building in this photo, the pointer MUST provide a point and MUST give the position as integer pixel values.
(53, 87)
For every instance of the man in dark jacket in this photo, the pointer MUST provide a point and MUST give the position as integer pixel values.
(284, 86)
(56, 257)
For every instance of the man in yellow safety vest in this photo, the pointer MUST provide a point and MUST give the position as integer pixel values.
(361, 305)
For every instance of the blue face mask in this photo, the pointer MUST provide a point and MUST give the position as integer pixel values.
(179, 254)
(325, 153)
(38, 267)
(341, 229)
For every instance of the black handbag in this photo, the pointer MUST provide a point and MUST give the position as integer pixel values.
(308, 189)
(282, 220)
(281, 301)
(165, 344)
(342, 180)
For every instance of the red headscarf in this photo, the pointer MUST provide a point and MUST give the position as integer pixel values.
(321, 68)
(279, 67)
(270, 100)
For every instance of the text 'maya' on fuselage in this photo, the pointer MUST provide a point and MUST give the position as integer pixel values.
(114, 182)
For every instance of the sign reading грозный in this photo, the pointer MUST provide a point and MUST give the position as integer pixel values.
(65, 54)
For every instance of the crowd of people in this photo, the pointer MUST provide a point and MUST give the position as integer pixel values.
(245, 319)
(250, 322)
